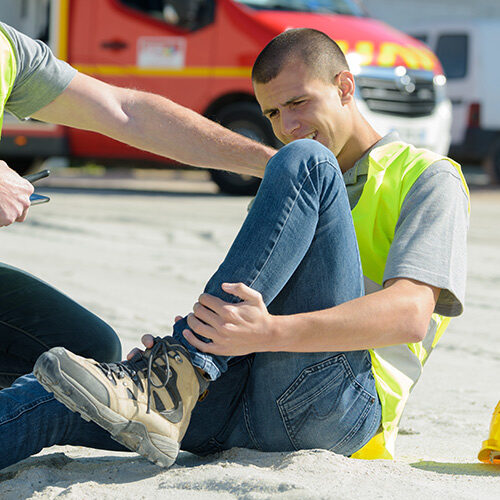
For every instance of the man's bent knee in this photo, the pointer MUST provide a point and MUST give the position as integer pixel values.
(300, 154)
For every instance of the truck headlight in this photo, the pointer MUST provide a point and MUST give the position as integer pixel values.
(440, 88)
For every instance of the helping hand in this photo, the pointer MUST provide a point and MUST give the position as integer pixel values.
(14, 196)
(148, 340)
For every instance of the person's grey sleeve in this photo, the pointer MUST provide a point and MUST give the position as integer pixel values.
(431, 234)
(40, 76)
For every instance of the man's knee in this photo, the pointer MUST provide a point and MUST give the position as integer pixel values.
(109, 348)
(298, 155)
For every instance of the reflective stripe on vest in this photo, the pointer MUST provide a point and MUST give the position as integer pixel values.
(392, 171)
(8, 70)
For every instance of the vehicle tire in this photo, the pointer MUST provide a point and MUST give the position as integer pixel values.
(246, 119)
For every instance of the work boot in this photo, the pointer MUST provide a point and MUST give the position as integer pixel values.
(145, 403)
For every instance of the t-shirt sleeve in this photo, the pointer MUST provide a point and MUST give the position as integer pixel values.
(431, 234)
(40, 77)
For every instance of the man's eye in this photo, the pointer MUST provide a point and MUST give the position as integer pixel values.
(298, 103)
(272, 114)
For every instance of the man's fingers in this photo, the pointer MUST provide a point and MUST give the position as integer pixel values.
(242, 291)
(133, 352)
(23, 216)
(211, 302)
(204, 314)
(148, 340)
(199, 327)
(177, 318)
(196, 342)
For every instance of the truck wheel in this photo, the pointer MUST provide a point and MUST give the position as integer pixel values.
(246, 119)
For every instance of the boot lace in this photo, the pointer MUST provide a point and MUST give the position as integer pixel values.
(162, 350)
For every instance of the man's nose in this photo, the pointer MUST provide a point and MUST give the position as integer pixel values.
(289, 124)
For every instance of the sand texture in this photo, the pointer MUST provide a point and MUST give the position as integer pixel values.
(138, 258)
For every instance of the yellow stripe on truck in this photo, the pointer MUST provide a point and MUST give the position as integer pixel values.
(191, 72)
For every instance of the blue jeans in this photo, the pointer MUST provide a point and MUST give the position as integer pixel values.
(297, 247)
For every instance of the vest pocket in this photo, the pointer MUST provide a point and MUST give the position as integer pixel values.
(325, 406)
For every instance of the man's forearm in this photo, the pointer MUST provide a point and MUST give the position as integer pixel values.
(395, 315)
(155, 124)
(178, 132)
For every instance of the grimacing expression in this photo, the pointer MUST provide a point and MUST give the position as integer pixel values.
(300, 106)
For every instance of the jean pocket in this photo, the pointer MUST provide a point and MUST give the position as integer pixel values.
(325, 406)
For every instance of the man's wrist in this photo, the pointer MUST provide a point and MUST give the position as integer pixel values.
(279, 333)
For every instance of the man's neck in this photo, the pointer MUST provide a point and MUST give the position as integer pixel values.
(362, 139)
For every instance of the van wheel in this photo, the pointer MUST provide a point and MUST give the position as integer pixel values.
(246, 119)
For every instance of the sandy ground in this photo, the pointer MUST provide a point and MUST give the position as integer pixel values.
(139, 254)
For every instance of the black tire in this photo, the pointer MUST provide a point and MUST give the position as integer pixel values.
(246, 119)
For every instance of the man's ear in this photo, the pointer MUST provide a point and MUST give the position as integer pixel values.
(346, 86)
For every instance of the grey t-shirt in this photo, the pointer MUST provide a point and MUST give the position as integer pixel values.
(430, 239)
(40, 76)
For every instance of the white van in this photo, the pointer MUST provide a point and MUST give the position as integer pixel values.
(469, 51)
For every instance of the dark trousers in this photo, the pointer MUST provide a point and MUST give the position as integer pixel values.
(35, 317)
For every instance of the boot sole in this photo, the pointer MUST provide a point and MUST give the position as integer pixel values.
(132, 434)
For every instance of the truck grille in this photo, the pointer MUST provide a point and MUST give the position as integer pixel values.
(411, 95)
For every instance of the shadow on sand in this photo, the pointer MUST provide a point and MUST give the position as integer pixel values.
(474, 469)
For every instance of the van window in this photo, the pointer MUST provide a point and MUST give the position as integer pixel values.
(346, 7)
(186, 14)
(452, 51)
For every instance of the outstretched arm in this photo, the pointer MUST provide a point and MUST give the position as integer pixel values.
(155, 124)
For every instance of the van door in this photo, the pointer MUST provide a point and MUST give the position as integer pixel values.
(453, 49)
(160, 46)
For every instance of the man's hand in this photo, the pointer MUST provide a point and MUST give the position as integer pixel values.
(234, 329)
(148, 342)
(14, 196)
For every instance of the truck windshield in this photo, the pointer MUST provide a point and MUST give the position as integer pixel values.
(346, 7)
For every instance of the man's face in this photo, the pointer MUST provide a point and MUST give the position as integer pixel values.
(300, 106)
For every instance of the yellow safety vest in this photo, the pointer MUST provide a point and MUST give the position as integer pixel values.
(392, 171)
(8, 70)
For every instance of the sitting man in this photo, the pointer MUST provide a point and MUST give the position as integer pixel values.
(284, 351)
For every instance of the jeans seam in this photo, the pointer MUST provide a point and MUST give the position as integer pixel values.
(286, 421)
(46, 399)
(301, 186)
(32, 337)
(246, 414)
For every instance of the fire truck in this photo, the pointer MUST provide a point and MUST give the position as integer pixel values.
(199, 53)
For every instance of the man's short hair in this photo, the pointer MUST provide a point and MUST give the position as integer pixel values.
(318, 51)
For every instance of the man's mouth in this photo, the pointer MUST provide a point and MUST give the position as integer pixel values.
(312, 135)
